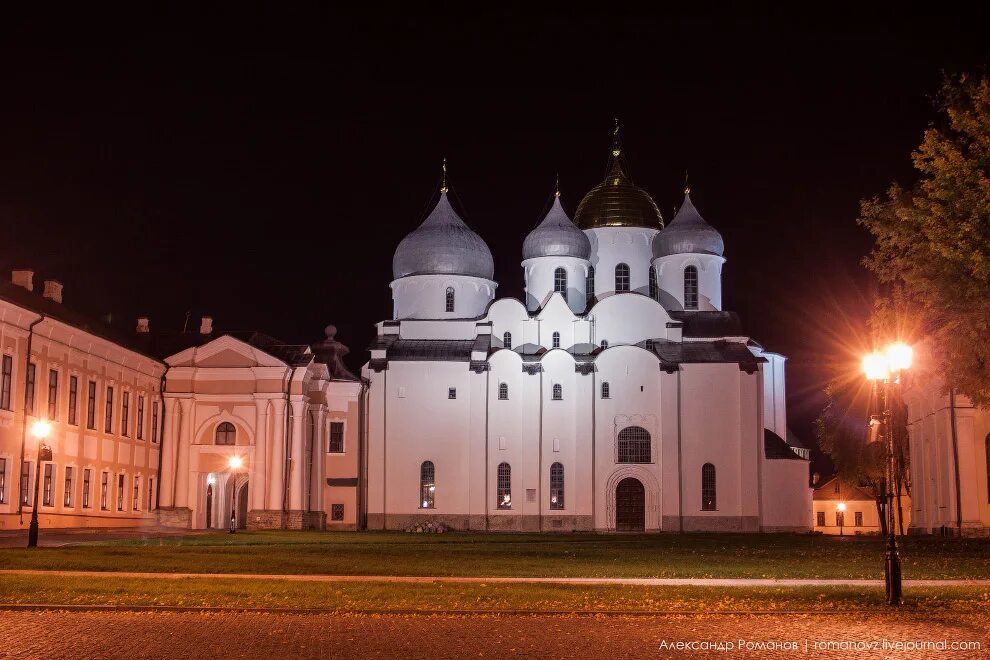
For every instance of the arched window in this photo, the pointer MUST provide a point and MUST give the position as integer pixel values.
(556, 340)
(427, 485)
(560, 281)
(605, 390)
(621, 278)
(503, 391)
(634, 445)
(557, 486)
(691, 287)
(604, 344)
(450, 298)
(503, 493)
(591, 283)
(654, 289)
(507, 339)
(226, 435)
(558, 392)
(707, 487)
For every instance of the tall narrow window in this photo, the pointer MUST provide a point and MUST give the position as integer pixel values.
(427, 485)
(52, 394)
(151, 493)
(67, 489)
(555, 340)
(49, 497)
(858, 518)
(139, 433)
(108, 413)
(25, 482)
(507, 339)
(503, 492)
(557, 486)
(120, 492)
(73, 400)
(450, 299)
(503, 391)
(336, 438)
(591, 283)
(708, 487)
(5, 382)
(136, 502)
(29, 394)
(105, 492)
(91, 406)
(125, 414)
(691, 287)
(558, 392)
(605, 390)
(226, 435)
(154, 421)
(635, 445)
(3, 480)
(840, 518)
(820, 519)
(560, 281)
(654, 288)
(87, 487)
(621, 278)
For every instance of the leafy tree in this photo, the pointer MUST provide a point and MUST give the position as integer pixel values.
(932, 242)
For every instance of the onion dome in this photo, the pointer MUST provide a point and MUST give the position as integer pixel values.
(688, 233)
(443, 245)
(556, 236)
(616, 201)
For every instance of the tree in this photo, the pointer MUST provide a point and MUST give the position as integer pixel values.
(932, 242)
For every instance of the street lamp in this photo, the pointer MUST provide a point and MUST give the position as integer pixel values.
(39, 430)
(841, 507)
(234, 463)
(885, 369)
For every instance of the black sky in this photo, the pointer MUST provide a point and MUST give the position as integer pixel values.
(261, 166)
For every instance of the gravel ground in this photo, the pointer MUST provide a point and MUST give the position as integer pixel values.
(177, 635)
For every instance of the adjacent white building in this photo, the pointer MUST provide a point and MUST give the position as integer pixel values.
(618, 395)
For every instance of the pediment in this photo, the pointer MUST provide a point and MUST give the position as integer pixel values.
(224, 352)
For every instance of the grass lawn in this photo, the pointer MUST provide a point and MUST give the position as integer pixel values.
(379, 596)
(541, 555)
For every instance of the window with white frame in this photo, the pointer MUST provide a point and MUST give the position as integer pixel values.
(67, 487)
(858, 517)
(25, 483)
(605, 389)
(86, 487)
(154, 421)
(52, 394)
(336, 438)
(139, 432)
(591, 283)
(621, 278)
(226, 434)
(560, 281)
(820, 519)
(555, 340)
(6, 382)
(105, 492)
(708, 501)
(125, 414)
(73, 415)
(427, 485)
(558, 392)
(503, 486)
(503, 391)
(120, 492)
(557, 486)
(449, 300)
(451, 392)
(29, 393)
(48, 497)
(136, 502)
(654, 288)
(91, 406)
(635, 445)
(691, 287)
(108, 417)
(507, 339)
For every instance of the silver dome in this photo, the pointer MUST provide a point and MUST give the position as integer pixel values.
(556, 236)
(688, 233)
(443, 245)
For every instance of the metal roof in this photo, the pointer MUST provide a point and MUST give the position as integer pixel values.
(556, 236)
(443, 245)
(688, 233)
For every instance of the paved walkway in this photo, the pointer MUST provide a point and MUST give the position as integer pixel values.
(639, 582)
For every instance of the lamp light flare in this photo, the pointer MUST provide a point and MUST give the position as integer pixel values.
(841, 506)
(899, 356)
(876, 366)
(40, 429)
(235, 462)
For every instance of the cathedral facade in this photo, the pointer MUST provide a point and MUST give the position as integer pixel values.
(618, 396)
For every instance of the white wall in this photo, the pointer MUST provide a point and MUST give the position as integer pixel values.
(424, 296)
(540, 280)
(670, 276)
(611, 246)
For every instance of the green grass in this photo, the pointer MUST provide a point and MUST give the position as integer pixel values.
(433, 597)
(578, 555)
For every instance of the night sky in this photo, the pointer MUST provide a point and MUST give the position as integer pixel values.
(261, 168)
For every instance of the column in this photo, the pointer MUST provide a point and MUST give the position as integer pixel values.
(169, 449)
(182, 458)
(297, 460)
(259, 461)
(319, 447)
(276, 469)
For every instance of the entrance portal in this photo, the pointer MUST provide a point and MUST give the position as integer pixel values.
(242, 507)
(630, 506)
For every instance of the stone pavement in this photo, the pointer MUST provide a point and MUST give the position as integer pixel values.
(58, 635)
(639, 582)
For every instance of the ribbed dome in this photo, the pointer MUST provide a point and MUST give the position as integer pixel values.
(443, 245)
(556, 236)
(617, 202)
(688, 233)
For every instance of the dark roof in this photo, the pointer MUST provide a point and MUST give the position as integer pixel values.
(38, 304)
(428, 350)
(847, 490)
(709, 324)
(294, 355)
(774, 447)
(690, 352)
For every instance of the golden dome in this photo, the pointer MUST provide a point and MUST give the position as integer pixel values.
(617, 202)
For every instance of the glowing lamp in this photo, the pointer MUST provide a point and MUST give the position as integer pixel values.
(899, 356)
(41, 429)
(235, 462)
(876, 366)
(841, 506)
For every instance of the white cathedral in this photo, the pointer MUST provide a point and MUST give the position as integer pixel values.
(618, 396)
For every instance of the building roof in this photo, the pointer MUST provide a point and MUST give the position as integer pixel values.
(688, 233)
(846, 491)
(556, 236)
(673, 353)
(775, 448)
(708, 323)
(443, 245)
(165, 344)
(617, 202)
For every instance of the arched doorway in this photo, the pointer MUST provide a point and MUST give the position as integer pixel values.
(630, 506)
(242, 506)
(209, 506)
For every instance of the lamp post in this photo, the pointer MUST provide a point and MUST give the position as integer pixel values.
(39, 430)
(841, 508)
(885, 369)
(234, 463)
